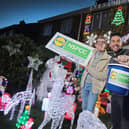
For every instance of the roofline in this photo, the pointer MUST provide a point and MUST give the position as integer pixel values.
(64, 15)
(102, 6)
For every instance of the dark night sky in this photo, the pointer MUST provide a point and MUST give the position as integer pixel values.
(13, 11)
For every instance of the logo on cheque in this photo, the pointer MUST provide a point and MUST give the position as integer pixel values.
(60, 41)
(113, 75)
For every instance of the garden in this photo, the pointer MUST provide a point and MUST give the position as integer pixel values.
(16, 53)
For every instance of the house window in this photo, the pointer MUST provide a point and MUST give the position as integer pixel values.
(96, 23)
(66, 26)
(105, 20)
(47, 29)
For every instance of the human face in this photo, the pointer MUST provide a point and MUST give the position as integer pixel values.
(115, 44)
(100, 44)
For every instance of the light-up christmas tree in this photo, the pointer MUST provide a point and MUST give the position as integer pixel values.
(118, 19)
(24, 121)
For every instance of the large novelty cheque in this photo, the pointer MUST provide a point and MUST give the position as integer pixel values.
(70, 48)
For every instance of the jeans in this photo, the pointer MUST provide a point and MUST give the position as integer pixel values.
(88, 97)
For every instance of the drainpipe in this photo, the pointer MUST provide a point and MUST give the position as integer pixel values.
(79, 28)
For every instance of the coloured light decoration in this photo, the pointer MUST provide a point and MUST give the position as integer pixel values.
(29, 124)
(118, 19)
(87, 29)
(24, 122)
(4, 100)
(87, 24)
(68, 115)
(88, 19)
(3, 84)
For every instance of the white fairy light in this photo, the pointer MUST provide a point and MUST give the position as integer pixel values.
(58, 104)
(47, 79)
(87, 120)
(91, 39)
(125, 38)
(107, 37)
(29, 84)
(34, 62)
(22, 98)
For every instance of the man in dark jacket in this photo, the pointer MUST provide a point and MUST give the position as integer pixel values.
(119, 103)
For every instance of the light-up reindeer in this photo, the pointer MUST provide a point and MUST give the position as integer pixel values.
(59, 104)
(22, 98)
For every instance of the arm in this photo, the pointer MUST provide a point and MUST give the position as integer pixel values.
(98, 75)
(123, 59)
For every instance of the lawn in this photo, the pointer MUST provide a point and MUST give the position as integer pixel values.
(37, 115)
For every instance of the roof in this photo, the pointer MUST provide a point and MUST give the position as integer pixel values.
(96, 7)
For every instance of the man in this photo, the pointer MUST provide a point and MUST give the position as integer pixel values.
(94, 75)
(120, 104)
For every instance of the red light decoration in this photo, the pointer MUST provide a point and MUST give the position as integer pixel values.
(88, 19)
(68, 115)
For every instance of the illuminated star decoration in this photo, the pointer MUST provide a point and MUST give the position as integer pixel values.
(91, 39)
(12, 48)
(107, 37)
(34, 62)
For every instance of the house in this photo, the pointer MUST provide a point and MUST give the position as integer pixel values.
(79, 24)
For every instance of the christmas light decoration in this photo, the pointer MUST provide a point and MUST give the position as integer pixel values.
(29, 84)
(98, 108)
(4, 100)
(29, 124)
(86, 30)
(87, 120)
(3, 84)
(91, 39)
(68, 115)
(22, 98)
(34, 62)
(70, 90)
(24, 122)
(87, 24)
(47, 79)
(118, 19)
(88, 19)
(58, 104)
(125, 38)
(107, 37)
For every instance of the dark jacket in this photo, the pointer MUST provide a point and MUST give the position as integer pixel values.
(118, 53)
(125, 98)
